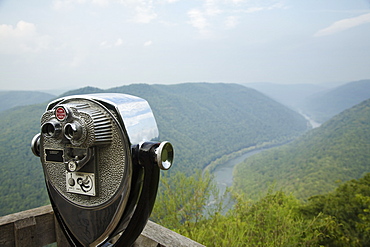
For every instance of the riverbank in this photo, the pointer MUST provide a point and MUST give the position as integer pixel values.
(229, 161)
(223, 167)
(235, 155)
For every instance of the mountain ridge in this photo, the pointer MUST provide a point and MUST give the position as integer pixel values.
(326, 104)
(10, 99)
(315, 162)
(203, 121)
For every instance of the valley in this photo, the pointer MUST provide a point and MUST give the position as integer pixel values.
(223, 173)
(234, 133)
(316, 162)
(203, 121)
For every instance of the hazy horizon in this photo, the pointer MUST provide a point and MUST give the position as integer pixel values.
(69, 44)
(256, 85)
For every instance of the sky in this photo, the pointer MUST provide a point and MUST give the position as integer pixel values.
(68, 44)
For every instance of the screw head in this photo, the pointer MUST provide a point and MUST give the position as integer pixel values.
(72, 166)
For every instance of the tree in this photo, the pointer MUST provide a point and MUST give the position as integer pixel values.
(274, 220)
(182, 199)
(349, 205)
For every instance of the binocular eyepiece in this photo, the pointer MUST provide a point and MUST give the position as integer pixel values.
(52, 128)
(101, 159)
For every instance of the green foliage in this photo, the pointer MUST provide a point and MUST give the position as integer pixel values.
(183, 199)
(339, 218)
(188, 200)
(314, 163)
(22, 182)
(274, 220)
(203, 121)
(349, 206)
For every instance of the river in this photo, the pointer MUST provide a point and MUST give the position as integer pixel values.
(224, 174)
(312, 122)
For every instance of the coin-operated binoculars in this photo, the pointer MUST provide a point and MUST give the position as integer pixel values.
(101, 159)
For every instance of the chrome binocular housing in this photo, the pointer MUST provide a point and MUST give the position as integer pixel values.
(101, 158)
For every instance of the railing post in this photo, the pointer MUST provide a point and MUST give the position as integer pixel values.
(34, 227)
(25, 232)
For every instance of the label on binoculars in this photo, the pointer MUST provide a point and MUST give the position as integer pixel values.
(81, 183)
(60, 113)
(54, 155)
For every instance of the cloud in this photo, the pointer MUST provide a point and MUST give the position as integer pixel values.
(148, 43)
(101, 2)
(253, 9)
(270, 5)
(211, 8)
(343, 25)
(197, 19)
(213, 14)
(141, 10)
(66, 4)
(118, 42)
(144, 12)
(236, 1)
(22, 38)
(105, 44)
(200, 17)
(231, 22)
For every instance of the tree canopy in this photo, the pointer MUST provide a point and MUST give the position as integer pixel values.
(314, 163)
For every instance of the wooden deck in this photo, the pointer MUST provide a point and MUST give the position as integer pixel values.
(37, 227)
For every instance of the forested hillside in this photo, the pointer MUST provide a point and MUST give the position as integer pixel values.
(338, 218)
(315, 163)
(10, 99)
(22, 181)
(206, 120)
(203, 121)
(322, 106)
